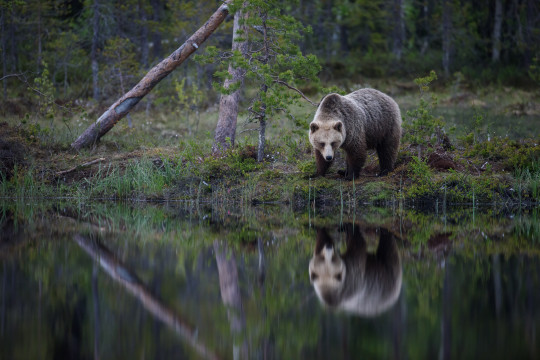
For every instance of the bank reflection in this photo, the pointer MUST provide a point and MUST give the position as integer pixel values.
(356, 281)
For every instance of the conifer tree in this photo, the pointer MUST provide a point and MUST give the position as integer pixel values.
(273, 62)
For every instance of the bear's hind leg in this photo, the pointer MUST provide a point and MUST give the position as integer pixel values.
(322, 164)
(387, 153)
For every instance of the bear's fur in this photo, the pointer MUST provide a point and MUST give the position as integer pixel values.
(362, 120)
(356, 282)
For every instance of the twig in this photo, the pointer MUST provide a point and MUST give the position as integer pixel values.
(22, 78)
(250, 129)
(80, 166)
(10, 75)
(298, 91)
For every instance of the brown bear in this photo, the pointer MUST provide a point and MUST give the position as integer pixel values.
(356, 281)
(362, 120)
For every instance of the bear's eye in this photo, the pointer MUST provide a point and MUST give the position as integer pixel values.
(314, 276)
(338, 277)
(322, 144)
(334, 144)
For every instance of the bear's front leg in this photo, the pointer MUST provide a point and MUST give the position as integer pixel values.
(322, 164)
(355, 162)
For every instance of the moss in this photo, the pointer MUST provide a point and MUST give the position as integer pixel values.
(513, 154)
(377, 191)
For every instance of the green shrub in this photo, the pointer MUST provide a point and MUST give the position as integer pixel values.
(420, 125)
(421, 175)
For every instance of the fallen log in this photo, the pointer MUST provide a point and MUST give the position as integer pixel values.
(123, 105)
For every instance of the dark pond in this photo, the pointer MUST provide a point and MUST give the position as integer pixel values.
(183, 281)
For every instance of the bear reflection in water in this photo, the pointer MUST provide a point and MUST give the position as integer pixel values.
(356, 281)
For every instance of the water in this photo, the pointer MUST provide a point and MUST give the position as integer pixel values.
(183, 281)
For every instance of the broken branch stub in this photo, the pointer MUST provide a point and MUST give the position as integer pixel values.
(123, 105)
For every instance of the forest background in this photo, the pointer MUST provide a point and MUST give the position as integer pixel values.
(96, 49)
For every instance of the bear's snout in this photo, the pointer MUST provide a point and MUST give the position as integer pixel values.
(329, 158)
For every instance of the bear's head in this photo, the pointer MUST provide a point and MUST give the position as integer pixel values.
(326, 131)
(327, 274)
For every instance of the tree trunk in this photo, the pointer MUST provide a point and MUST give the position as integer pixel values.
(425, 27)
(144, 35)
(399, 29)
(229, 286)
(264, 89)
(123, 105)
(39, 39)
(13, 42)
(4, 67)
(446, 323)
(157, 49)
(262, 128)
(446, 35)
(496, 49)
(529, 32)
(93, 53)
(65, 77)
(228, 104)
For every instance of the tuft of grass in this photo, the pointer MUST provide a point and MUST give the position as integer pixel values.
(140, 178)
(527, 182)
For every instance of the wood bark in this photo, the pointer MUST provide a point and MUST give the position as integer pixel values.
(39, 59)
(262, 127)
(93, 51)
(4, 67)
(264, 89)
(228, 104)
(530, 27)
(157, 49)
(144, 35)
(496, 38)
(446, 35)
(13, 41)
(399, 28)
(123, 105)
(86, 164)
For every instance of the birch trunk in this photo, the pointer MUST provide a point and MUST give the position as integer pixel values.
(228, 104)
(264, 89)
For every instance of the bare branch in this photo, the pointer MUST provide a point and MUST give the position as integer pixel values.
(80, 166)
(10, 75)
(250, 129)
(298, 91)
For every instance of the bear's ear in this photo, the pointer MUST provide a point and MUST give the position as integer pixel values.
(332, 101)
(313, 127)
(338, 126)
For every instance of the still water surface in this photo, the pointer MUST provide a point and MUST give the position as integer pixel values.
(171, 281)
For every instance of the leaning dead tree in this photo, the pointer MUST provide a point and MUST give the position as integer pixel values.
(123, 105)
